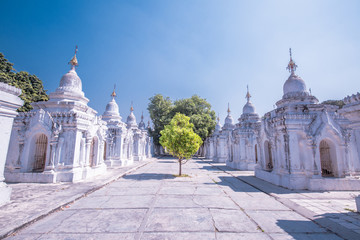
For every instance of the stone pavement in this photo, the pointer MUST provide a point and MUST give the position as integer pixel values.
(214, 202)
(32, 201)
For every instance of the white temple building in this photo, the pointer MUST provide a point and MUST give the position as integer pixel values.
(126, 142)
(236, 144)
(63, 139)
(9, 102)
(299, 145)
(244, 146)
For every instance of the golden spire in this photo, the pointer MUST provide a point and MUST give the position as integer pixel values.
(218, 118)
(248, 96)
(291, 66)
(74, 61)
(228, 111)
(132, 108)
(113, 94)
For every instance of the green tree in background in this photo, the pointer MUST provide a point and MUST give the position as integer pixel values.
(179, 139)
(200, 113)
(339, 103)
(32, 89)
(162, 110)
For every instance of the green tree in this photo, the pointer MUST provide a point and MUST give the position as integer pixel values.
(160, 109)
(200, 113)
(179, 139)
(32, 89)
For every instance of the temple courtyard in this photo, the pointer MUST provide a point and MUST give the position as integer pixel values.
(146, 201)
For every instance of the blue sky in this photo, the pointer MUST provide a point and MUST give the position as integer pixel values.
(181, 48)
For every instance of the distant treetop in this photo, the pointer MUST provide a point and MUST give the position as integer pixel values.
(32, 89)
(339, 103)
(162, 110)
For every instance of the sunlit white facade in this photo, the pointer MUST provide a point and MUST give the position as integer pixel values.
(64, 140)
(299, 145)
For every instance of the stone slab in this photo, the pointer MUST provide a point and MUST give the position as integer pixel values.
(305, 236)
(75, 236)
(185, 220)
(129, 201)
(242, 236)
(284, 222)
(227, 220)
(121, 191)
(178, 235)
(215, 202)
(175, 201)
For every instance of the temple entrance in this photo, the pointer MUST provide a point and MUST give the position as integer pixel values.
(256, 154)
(326, 159)
(40, 153)
(268, 156)
(93, 152)
(105, 150)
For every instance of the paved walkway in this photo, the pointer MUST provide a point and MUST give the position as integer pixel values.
(32, 201)
(215, 202)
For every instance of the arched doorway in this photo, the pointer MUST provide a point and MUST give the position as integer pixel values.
(256, 154)
(268, 156)
(326, 159)
(105, 150)
(93, 152)
(40, 153)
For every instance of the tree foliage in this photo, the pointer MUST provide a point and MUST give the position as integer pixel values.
(200, 113)
(32, 89)
(179, 139)
(162, 110)
(339, 103)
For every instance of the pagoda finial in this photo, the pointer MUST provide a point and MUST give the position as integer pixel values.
(132, 108)
(142, 115)
(248, 96)
(74, 62)
(218, 118)
(291, 66)
(113, 94)
(228, 111)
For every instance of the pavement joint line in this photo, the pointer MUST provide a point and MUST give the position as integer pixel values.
(150, 209)
(201, 206)
(61, 207)
(59, 224)
(328, 224)
(216, 230)
(241, 209)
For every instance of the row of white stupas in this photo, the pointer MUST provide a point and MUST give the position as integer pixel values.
(63, 139)
(299, 145)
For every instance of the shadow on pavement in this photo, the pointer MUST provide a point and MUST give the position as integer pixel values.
(237, 182)
(269, 187)
(301, 230)
(149, 176)
(168, 161)
(211, 168)
(304, 230)
(253, 184)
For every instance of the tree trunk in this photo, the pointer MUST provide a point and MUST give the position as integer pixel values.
(179, 167)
